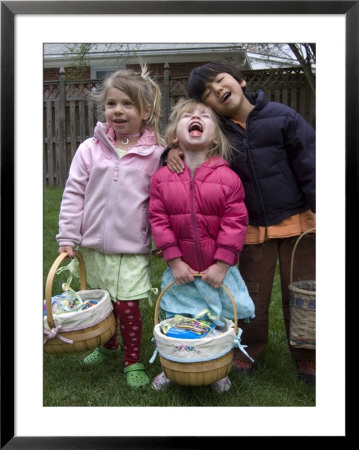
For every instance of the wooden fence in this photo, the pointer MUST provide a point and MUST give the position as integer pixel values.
(70, 116)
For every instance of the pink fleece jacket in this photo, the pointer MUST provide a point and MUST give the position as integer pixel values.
(200, 219)
(105, 201)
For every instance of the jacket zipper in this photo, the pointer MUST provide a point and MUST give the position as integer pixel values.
(110, 203)
(195, 226)
(259, 194)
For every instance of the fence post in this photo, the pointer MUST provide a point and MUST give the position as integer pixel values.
(166, 92)
(61, 156)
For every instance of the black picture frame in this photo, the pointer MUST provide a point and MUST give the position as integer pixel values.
(9, 9)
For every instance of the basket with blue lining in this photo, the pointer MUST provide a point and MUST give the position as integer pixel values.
(197, 362)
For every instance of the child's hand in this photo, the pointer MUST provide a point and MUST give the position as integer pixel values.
(69, 250)
(174, 160)
(215, 274)
(182, 272)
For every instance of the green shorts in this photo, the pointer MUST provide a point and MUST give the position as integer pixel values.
(124, 276)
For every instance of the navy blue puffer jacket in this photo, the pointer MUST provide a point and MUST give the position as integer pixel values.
(275, 159)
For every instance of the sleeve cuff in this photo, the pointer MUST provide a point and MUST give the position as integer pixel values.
(171, 253)
(64, 243)
(226, 255)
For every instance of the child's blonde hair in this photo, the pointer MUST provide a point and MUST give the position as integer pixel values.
(220, 145)
(141, 89)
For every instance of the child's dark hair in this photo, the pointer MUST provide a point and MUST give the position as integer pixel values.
(204, 74)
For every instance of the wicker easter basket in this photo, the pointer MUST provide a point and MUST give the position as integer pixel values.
(94, 327)
(302, 307)
(197, 373)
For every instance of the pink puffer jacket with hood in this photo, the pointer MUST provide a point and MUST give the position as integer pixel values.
(200, 219)
(105, 201)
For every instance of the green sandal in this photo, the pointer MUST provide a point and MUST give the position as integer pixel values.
(100, 355)
(136, 376)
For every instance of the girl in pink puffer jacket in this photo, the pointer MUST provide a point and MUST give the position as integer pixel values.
(198, 218)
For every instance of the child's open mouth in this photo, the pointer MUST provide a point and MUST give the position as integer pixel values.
(195, 129)
(226, 97)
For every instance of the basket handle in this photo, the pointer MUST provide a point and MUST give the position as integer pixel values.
(294, 249)
(157, 307)
(50, 280)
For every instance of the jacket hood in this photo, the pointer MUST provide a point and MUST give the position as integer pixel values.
(258, 99)
(106, 135)
(215, 161)
(212, 163)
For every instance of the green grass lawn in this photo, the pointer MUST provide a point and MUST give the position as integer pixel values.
(68, 383)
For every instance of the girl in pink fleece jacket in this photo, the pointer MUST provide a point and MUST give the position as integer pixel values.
(198, 218)
(104, 208)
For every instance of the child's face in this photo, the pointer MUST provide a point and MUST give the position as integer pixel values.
(224, 94)
(196, 129)
(121, 113)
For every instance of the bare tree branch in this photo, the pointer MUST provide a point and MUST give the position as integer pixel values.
(305, 62)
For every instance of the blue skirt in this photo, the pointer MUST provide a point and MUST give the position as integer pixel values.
(196, 296)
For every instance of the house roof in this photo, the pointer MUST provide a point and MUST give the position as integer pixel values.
(107, 54)
(56, 50)
(56, 54)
